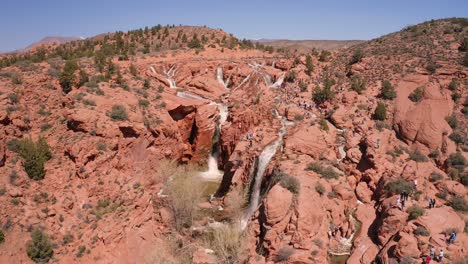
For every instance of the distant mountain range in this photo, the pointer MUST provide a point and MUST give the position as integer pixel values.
(46, 41)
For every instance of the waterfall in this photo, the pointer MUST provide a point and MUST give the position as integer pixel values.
(170, 77)
(263, 160)
(219, 76)
(213, 173)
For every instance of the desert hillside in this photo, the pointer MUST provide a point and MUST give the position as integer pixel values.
(180, 144)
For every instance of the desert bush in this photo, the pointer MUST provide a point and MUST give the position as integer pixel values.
(67, 78)
(387, 91)
(14, 98)
(309, 65)
(457, 160)
(227, 242)
(324, 55)
(16, 78)
(456, 97)
(284, 253)
(414, 212)
(14, 145)
(302, 86)
(118, 113)
(327, 173)
(417, 156)
(435, 177)
(143, 103)
(2, 237)
(398, 186)
(453, 85)
(184, 192)
(421, 231)
(320, 188)
(358, 85)
(39, 249)
(452, 121)
(290, 76)
(431, 66)
(68, 238)
(298, 117)
(332, 195)
(463, 45)
(84, 78)
(35, 155)
(465, 60)
(357, 57)
(459, 204)
(456, 137)
(324, 125)
(416, 95)
(133, 70)
(380, 112)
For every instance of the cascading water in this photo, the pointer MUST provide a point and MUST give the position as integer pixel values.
(219, 76)
(213, 173)
(170, 77)
(263, 160)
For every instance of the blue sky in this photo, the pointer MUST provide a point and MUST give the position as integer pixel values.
(25, 21)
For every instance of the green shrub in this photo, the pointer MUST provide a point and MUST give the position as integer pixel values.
(284, 254)
(321, 95)
(290, 76)
(327, 173)
(324, 125)
(290, 183)
(421, 231)
(357, 56)
(431, 66)
(14, 98)
(397, 186)
(457, 137)
(298, 117)
(35, 155)
(418, 156)
(324, 54)
(14, 145)
(387, 91)
(118, 113)
(143, 103)
(453, 85)
(414, 212)
(320, 188)
(416, 95)
(452, 121)
(81, 250)
(302, 86)
(358, 85)
(67, 77)
(459, 204)
(456, 96)
(435, 177)
(309, 65)
(39, 249)
(380, 112)
(456, 160)
(133, 70)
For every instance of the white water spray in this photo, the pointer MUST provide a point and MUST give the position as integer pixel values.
(263, 160)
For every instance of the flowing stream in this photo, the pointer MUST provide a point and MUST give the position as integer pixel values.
(263, 160)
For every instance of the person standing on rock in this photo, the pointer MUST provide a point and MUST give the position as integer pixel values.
(441, 256)
(398, 203)
(452, 238)
(402, 204)
(428, 260)
(432, 253)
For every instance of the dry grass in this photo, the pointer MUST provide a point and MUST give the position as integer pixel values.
(184, 190)
(235, 203)
(171, 250)
(227, 241)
